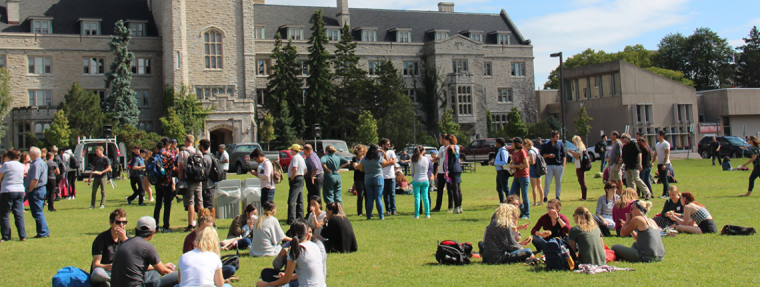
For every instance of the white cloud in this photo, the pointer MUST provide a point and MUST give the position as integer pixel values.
(597, 26)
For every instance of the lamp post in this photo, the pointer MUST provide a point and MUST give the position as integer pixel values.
(562, 95)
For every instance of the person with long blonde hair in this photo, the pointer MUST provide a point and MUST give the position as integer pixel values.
(499, 243)
(648, 246)
(578, 153)
(536, 186)
(587, 236)
(202, 265)
(622, 210)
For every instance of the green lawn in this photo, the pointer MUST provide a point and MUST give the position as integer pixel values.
(400, 250)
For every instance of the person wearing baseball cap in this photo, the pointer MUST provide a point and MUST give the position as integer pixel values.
(135, 255)
(296, 171)
(521, 182)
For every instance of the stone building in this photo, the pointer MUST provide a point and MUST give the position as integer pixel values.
(729, 112)
(222, 49)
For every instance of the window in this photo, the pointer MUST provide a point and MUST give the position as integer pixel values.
(142, 98)
(571, 90)
(2, 61)
(262, 66)
(304, 68)
(683, 114)
(503, 39)
(518, 69)
(295, 33)
(138, 29)
(141, 66)
(616, 84)
(145, 126)
(412, 93)
(213, 49)
(498, 121)
(333, 34)
(90, 28)
(441, 35)
(404, 36)
(39, 129)
(476, 37)
(460, 66)
(93, 66)
(606, 86)
(100, 93)
(211, 92)
(42, 26)
(260, 97)
(177, 60)
(260, 32)
(411, 69)
(583, 88)
(727, 126)
(40, 98)
(21, 130)
(596, 86)
(369, 35)
(373, 66)
(464, 97)
(643, 114)
(487, 69)
(39, 65)
(505, 95)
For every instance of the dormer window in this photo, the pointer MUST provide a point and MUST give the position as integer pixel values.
(294, 32)
(369, 34)
(439, 34)
(475, 35)
(502, 37)
(260, 31)
(41, 25)
(403, 35)
(333, 34)
(90, 26)
(137, 27)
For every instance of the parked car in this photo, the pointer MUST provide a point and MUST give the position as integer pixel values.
(482, 150)
(594, 154)
(410, 150)
(730, 146)
(286, 157)
(85, 153)
(240, 157)
(339, 145)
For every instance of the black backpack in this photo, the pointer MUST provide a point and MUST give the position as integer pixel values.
(451, 252)
(195, 168)
(232, 259)
(737, 230)
(540, 165)
(602, 226)
(585, 161)
(74, 162)
(557, 256)
(215, 172)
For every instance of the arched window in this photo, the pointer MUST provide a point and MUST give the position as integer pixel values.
(213, 49)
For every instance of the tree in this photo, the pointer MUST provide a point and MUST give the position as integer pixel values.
(489, 123)
(553, 123)
(283, 94)
(131, 136)
(121, 103)
(351, 83)
(59, 133)
(6, 99)
(708, 61)
(447, 126)
(266, 131)
(172, 125)
(515, 126)
(188, 108)
(83, 113)
(673, 75)
(366, 130)
(429, 92)
(539, 129)
(748, 62)
(582, 127)
(393, 109)
(319, 83)
(671, 53)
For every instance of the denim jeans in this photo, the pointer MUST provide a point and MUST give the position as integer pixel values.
(421, 188)
(389, 194)
(295, 199)
(267, 194)
(519, 255)
(716, 155)
(610, 222)
(604, 162)
(153, 279)
(522, 184)
(228, 271)
(664, 178)
(553, 171)
(502, 185)
(374, 187)
(646, 176)
(36, 202)
(12, 202)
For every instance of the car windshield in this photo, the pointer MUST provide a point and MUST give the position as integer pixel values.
(339, 146)
(569, 145)
(736, 141)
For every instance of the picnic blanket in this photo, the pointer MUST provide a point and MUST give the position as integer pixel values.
(595, 269)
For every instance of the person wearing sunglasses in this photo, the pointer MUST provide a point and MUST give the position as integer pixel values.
(105, 246)
(606, 203)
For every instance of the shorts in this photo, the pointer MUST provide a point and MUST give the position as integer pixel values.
(616, 173)
(708, 226)
(208, 197)
(192, 195)
(533, 172)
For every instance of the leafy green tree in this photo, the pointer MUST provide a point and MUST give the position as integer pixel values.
(673, 75)
(392, 107)
(6, 99)
(32, 140)
(539, 129)
(59, 133)
(319, 82)
(121, 103)
(351, 83)
(709, 60)
(748, 62)
(83, 112)
(266, 131)
(366, 130)
(430, 91)
(188, 108)
(582, 127)
(672, 52)
(553, 123)
(131, 136)
(489, 123)
(515, 126)
(283, 94)
(172, 125)
(447, 124)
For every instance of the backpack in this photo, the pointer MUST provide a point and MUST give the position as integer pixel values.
(154, 168)
(195, 168)
(602, 226)
(737, 230)
(232, 259)
(215, 172)
(71, 277)
(74, 163)
(540, 165)
(451, 252)
(557, 256)
(585, 161)
(277, 172)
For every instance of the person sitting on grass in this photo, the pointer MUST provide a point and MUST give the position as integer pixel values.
(201, 266)
(726, 163)
(648, 246)
(267, 233)
(553, 223)
(205, 219)
(499, 243)
(672, 205)
(586, 238)
(304, 258)
(136, 263)
(241, 228)
(105, 246)
(693, 214)
(316, 216)
(337, 231)
(606, 203)
(622, 209)
(402, 183)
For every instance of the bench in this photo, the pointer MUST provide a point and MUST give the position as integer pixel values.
(469, 167)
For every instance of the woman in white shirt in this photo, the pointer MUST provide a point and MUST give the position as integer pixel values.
(317, 217)
(12, 194)
(421, 178)
(578, 155)
(267, 233)
(202, 266)
(265, 173)
(304, 258)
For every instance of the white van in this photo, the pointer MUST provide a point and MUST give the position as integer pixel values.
(85, 153)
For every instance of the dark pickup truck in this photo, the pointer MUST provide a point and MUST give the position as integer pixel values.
(482, 150)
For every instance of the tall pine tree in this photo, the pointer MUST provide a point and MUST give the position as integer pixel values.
(351, 83)
(319, 83)
(394, 110)
(121, 103)
(283, 87)
(748, 62)
(59, 132)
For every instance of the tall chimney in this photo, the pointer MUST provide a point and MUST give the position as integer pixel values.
(343, 15)
(13, 11)
(445, 7)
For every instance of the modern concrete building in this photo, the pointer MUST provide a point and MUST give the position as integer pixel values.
(732, 112)
(222, 51)
(620, 96)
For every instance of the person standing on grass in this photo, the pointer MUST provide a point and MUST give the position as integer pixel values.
(633, 165)
(265, 173)
(601, 149)
(587, 236)
(502, 175)
(12, 195)
(132, 262)
(72, 171)
(453, 169)
(331, 164)
(441, 178)
(422, 174)
(578, 153)
(648, 246)
(372, 166)
(314, 175)
(193, 195)
(224, 158)
(165, 189)
(106, 245)
(715, 150)
(616, 161)
(555, 155)
(35, 182)
(646, 162)
(51, 186)
(521, 165)
(754, 144)
(208, 186)
(662, 156)
(145, 154)
(389, 177)
(535, 180)
(360, 151)
(101, 166)
(296, 171)
(136, 173)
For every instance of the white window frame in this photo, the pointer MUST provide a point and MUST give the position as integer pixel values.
(141, 66)
(42, 26)
(263, 66)
(177, 60)
(443, 35)
(137, 28)
(373, 65)
(260, 97)
(503, 39)
(39, 65)
(213, 49)
(403, 36)
(459, 66)
(260, 32)
(37, 96)
(412, 93)
(498, 120)
(369, 35)
(93, 66)
(488, 69)
(210, 92)
(334, 34)
(295, 33)
(476, 37)
(411, 68)
(464, 100)
(505, 95)
(90, 28)
(517, 69)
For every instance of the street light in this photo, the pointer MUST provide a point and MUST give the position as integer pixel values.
(562, 95)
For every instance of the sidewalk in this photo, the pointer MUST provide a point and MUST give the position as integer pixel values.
(682, 154)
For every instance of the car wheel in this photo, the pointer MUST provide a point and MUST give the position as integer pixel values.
(591, 157)
(239, 169)
(705, 154)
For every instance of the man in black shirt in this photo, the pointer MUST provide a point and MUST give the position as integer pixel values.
(601, 149)
(101, 166)
(52, 186)
(105, 246)
(555, 155)
(137, 264)
(632, 161)
(715, 151)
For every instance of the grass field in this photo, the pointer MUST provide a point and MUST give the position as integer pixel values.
(400, 250)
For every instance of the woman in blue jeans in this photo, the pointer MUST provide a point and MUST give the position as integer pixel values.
(646, 162)
(372, 166)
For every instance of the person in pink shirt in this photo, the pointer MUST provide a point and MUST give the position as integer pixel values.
(621, 210)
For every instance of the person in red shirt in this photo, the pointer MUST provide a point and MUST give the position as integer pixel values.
(553, 223)
(521, 181)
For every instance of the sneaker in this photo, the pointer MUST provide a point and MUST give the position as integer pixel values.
(102, 206)
(142, 204)
(427, 216)
(92, 206)
(52, 210)
(450, 210)
(360, 215)
(394, 213)
(416, 217)
(129, 202)
(40, 236)
(151, 199)
(664, 197)
(167, 230)
(524, 217)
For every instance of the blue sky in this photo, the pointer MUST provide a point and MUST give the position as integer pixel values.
(571, 26)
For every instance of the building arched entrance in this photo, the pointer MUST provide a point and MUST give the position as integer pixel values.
(221, 135)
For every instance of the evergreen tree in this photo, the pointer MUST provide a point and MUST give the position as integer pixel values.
(515, 126)
(188, 108)
(283, 93)
(748, 62)
(59, 133)
(319, 83)
(172, 125)
(351, 83)
(539, 129)
(83, 112)
(6, 99)
(430, 91)
(554, 124)
(393, 109)
(582, 127)
(121, 103)
(266, 130)
(447, 124)
(366, 130)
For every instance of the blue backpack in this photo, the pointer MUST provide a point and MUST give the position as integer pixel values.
(71, 277)
(154, 168)
(557, 256)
